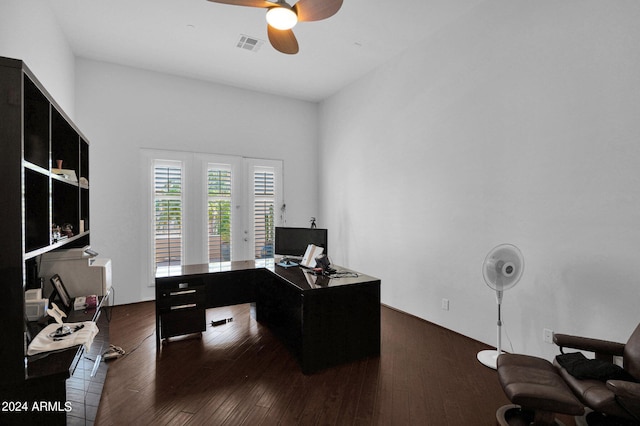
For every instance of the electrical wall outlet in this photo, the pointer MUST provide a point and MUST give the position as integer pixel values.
(445, 304)
(547, 335)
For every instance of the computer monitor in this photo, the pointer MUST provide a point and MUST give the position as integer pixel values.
(294, 241)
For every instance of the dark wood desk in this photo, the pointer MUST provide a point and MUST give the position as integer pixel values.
(323, 321)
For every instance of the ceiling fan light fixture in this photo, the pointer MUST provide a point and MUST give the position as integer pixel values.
(281, 17)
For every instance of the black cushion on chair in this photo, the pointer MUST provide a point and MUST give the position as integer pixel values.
(583, 368)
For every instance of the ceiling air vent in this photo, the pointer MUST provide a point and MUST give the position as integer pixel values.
(249, 43)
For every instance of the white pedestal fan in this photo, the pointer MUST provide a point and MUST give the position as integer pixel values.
(502, 269)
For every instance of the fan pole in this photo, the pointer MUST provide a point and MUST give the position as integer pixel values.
(499, 347)
(490, 357)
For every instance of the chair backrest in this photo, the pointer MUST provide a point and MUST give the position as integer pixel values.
(631, 356)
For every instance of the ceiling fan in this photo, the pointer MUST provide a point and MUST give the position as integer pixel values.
(281, 17)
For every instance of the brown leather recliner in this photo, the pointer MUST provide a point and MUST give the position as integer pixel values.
(613, 398)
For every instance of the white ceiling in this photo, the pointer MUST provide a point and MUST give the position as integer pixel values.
(197, 39)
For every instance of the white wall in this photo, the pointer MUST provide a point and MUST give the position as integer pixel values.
(518, 123)
(122, 110)
(29, 31)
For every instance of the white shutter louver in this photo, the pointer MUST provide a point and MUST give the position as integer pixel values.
(264, 207)
(219, 212)
(167, 180)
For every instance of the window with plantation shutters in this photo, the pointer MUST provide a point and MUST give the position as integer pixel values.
(207, 208)
(168, 210)
(264, 203)
(219, 212)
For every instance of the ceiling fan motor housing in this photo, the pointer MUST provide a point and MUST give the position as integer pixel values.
(282, 17)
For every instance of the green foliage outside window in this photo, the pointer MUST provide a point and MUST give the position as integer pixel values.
(168, 210)
(219, 211)
(220, 219)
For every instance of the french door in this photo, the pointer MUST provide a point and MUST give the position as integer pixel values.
(204, 208)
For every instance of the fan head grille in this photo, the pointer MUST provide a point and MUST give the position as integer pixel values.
(503, 267)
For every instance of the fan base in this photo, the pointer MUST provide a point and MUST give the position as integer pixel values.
(489, 358)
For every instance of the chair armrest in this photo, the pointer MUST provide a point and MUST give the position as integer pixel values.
(625, 389)
(600, 347)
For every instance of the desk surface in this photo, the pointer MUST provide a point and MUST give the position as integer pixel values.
(295, 275)
(58, 363)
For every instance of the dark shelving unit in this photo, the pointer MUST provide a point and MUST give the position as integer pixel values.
(34, 133)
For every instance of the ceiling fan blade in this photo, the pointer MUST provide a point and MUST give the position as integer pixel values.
(315, 10)
(250, 3)
(283, 40)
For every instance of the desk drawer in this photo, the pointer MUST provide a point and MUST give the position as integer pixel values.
(182, 321)
(178, 283)
(193, 297)
(179, 293)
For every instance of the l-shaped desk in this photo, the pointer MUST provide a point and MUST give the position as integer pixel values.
(323, 321)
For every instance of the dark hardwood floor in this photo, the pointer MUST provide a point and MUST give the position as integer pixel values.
(240, 374)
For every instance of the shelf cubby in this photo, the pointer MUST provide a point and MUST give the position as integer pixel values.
(84, 209)
(84, 161)
(36, 125)
(66, 204)
(37, 210)
(65, 143)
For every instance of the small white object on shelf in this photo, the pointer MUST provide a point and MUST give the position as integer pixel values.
(56, 313)
(68, 174)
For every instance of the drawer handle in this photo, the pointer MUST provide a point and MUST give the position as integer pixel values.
(178, 293)
(190, 305)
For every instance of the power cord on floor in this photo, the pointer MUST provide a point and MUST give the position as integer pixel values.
(114, 352)
(139, 344)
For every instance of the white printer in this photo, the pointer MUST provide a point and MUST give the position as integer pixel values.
(81, 272)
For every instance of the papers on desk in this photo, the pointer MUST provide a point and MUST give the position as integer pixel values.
(309, 258)
(82, 334)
